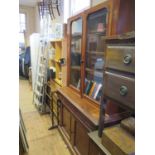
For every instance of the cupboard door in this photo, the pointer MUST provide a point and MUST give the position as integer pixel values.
(81, 139)
(94, 57)
(66, 121)
(73, 123)
(75, 53)
(94, 149)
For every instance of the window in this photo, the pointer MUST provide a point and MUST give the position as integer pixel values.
(22, 22)
(79, 5)
(22, 29)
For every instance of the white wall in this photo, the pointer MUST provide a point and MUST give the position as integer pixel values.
(59, 19)
(37, 20)
(30, 21)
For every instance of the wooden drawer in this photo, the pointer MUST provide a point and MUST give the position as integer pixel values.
(120, 88)
(120, 58)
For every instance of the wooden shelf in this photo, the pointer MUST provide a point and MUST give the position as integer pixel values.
(76, 35)
(93, 70)
(97, 33)
(76, 67)
(96, 53)
(59, 82)
(56, 40)
(54, 85)
(57, 45)
(57, 61)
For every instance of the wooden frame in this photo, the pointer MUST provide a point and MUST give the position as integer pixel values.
(84, 16)
(70, 21)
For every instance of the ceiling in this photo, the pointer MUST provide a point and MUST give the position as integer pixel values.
(28, 2)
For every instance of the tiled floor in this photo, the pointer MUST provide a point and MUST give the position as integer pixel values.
(41, 140)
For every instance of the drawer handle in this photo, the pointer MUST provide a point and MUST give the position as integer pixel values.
(123, 90)
(127, 59)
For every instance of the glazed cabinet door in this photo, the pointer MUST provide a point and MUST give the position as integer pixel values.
(94, 56)
(75, 48)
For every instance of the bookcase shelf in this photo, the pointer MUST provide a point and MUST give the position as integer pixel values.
(76, 35)
(91, 71)
(96, 53)
(59, 82)
(56, 49)
(56, 61)
(96, 33)
(75, 67)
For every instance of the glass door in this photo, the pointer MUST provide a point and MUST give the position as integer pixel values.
(75, 53)
(96, 32)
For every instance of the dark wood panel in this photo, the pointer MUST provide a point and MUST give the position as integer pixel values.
(73, 132)
(94, 149)
(120, 88)
(66, 121)
(123, 17)
(126, 22)
(81, 139)
(71, 149)
(120, 58)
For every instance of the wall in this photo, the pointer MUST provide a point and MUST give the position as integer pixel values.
(37, 20)
(30, 21)
(59, 19)
(95, 2)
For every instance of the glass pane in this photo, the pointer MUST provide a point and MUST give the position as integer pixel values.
(22, 22)
(96, 32)
(22, 27)
(76, 53)
(22, 18)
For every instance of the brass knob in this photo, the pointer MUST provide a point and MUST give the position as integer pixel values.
(127, 59)
(123, 90)
(81, 61)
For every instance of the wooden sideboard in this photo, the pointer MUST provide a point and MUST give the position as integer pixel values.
(77, 118)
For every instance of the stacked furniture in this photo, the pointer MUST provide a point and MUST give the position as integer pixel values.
(120, 88)
(88, 96)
